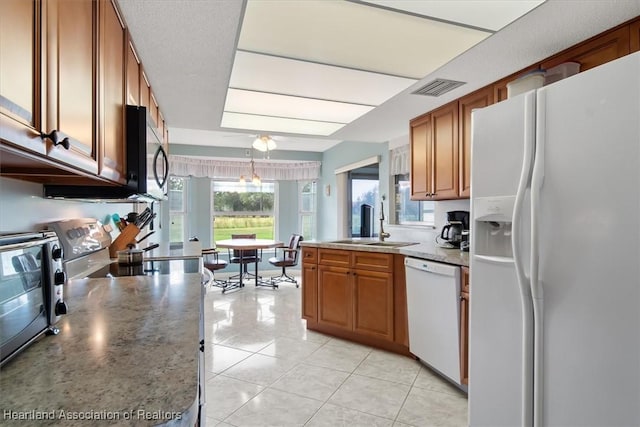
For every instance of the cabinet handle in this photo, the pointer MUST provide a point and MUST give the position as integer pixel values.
(53, 136)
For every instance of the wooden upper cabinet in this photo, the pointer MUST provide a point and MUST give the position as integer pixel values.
(20, 71)
(434, 154)
(145, 90)
(420, 155)
(133, 76)
(153, 108)
(71, 81)
(112, 48)
(18, 45)
(466, 105)
(594, 52)
(634, 36)
(445, 152)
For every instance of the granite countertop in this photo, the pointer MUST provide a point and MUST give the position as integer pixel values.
(126, 354)
(429, 251)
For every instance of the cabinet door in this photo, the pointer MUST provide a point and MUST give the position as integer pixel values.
(20, 98)
(310, 292)
(420, 155)
(133, 76)
(634, 36)
(595, 52)
(445, 152)
(373, 303)
(153, 108)
(464, 337)
(478, 99)
(112, 39)
(71, 81)
(145, 90)
(335, 297)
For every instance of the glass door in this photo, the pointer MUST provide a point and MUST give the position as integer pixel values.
(22, 297)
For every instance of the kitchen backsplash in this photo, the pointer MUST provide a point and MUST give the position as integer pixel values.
(22, 207)
(422, 234)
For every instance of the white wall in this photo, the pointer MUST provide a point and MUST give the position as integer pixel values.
(22, 207)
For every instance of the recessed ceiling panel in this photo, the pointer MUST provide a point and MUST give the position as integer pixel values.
(266, 73)
(353, 35)
(278, 124)
(489, 14)
(269, 104)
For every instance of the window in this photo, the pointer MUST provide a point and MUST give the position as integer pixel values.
(243, 208)
(177, 208)
(363, 193)
(307, 209)
(409, 211)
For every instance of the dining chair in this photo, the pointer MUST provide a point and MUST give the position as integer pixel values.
(212, 262)
(245, 257)
(287, 258)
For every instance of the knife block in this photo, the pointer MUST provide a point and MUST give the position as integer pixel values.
(125, 238)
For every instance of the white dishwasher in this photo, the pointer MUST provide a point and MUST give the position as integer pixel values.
(433, 306)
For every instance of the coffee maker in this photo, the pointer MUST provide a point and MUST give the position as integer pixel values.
(456, 231)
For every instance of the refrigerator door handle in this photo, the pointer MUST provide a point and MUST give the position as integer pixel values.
(537, 179)
(516, 243)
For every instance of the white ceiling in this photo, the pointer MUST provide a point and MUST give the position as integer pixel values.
(189, 48)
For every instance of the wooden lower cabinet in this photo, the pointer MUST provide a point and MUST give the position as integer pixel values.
(356, 295)
(373, 303)
(335, 296)
(310, 292)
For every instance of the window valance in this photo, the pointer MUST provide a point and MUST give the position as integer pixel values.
(399, 160)
(232, 169)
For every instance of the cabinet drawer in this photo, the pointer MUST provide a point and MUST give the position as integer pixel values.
(310, 255)
(335, 257)
(465, 280)
(375, 261)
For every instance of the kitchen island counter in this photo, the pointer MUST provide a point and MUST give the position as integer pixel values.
(126, 354)
(429, 251)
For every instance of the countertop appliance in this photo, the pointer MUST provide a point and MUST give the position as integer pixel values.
(147, 167)
(452, 234)
(31, 289)
(433, 310)
(554, 309)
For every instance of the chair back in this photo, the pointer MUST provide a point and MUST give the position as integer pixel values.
(247, 253)
(294, 243)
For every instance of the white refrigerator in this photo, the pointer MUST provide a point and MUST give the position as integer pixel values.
(555, 254)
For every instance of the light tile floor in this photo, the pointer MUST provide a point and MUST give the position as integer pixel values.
(264, 368)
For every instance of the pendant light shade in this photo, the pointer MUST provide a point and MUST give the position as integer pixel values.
(264, 143)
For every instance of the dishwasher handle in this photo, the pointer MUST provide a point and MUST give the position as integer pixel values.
(431, 267)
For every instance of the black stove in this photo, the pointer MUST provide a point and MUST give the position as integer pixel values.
(148, 268)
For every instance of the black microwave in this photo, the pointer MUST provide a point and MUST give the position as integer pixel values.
(147, 167)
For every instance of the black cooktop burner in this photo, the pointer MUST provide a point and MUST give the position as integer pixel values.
(147, 268)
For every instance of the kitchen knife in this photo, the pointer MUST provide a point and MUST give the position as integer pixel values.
(145, 236)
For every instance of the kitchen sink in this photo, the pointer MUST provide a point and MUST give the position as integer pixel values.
(391, 244)
(372, 243)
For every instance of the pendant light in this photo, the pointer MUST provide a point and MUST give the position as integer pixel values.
(264, 143)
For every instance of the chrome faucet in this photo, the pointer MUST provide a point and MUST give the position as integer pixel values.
(382, 235)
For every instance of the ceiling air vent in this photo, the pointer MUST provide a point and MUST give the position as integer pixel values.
(437, 87)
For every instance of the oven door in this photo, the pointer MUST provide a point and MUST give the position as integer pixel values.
(23, 287)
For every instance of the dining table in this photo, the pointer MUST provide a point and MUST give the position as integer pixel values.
(242, 245)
